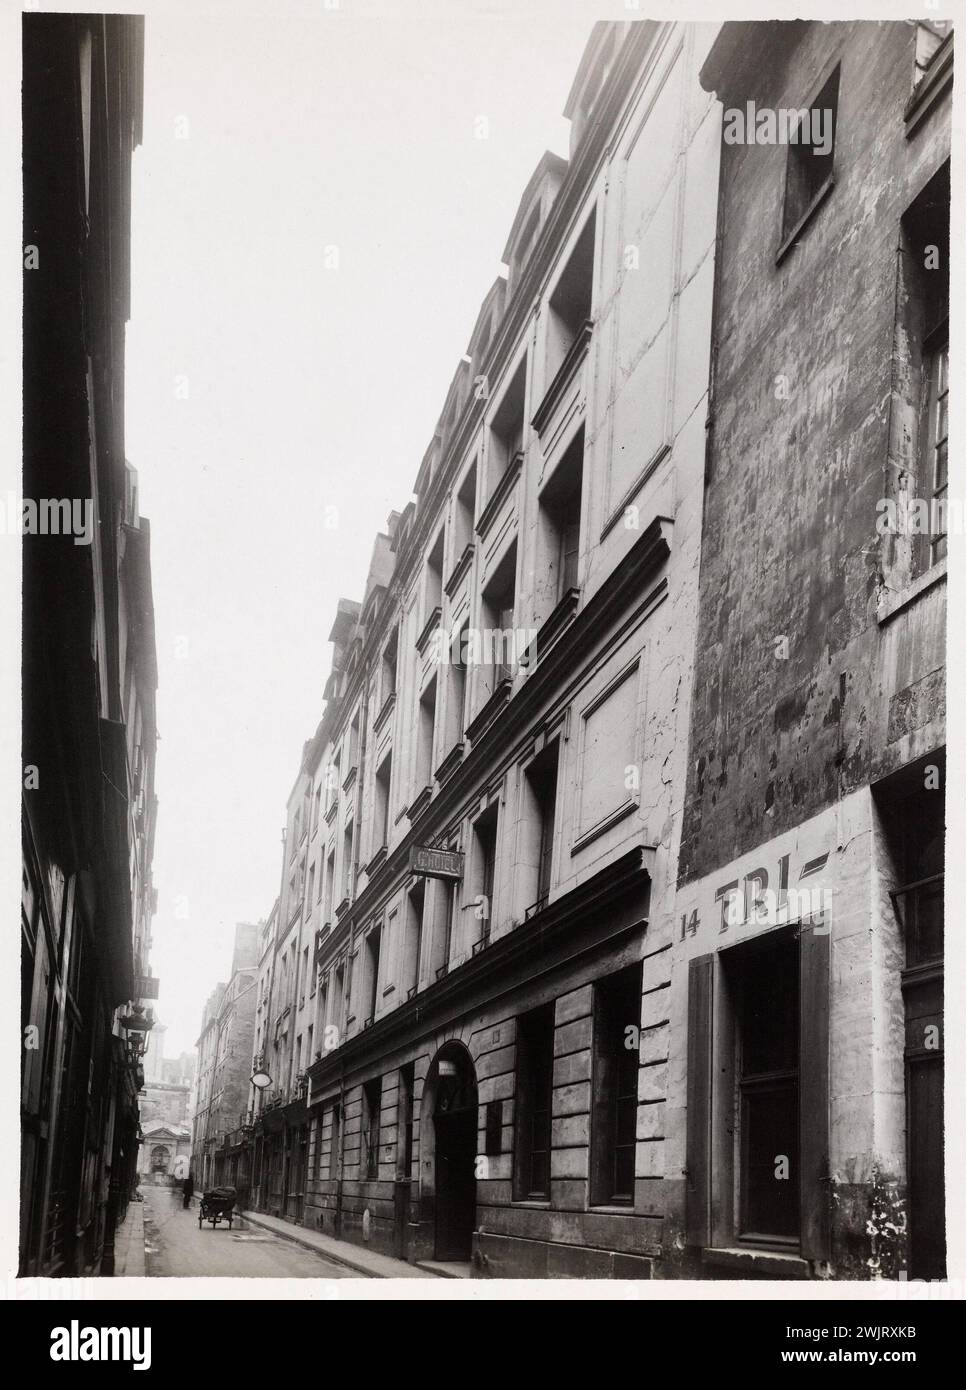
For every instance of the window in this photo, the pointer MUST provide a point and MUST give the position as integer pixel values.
(542, 784)
(415, 905)
(484, 836)
(570, 303)
(506, 431)
(322, 1007)
(332, 781)
(318, 809)
(371, 1107)
(534, 1092)
(465, 513)
(930, 35)
(559, 529)
(311, 893)
(911, 805)
(524, 247)
(434, 578)
(335, 1141)
(757, 1093)
(426, 728)
(404, 1149)
(338, 998)
(329, 885)
(936, 446)
(767, 1118)
(499, 635)
(811, 152)
(390, 654)
(617, 1007)
(373, 952)
(456, 713)
(921, 406)
(352, 759)
(381, 817)
(347, 861)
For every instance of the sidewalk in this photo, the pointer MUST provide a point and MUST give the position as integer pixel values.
(369, 1263)
(129, 1244)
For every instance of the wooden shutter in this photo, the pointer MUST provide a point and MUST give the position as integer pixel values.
(814, 956)
(698, 1146)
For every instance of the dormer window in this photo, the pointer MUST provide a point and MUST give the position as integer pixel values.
(524, 246)
(570, 302)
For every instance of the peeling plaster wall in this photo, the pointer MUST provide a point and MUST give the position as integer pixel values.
(790, 547)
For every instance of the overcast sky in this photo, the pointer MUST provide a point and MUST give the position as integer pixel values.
(264, 387)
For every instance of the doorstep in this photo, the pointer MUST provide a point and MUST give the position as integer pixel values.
(447, 1269)
(760, 1264)
(368, 1263)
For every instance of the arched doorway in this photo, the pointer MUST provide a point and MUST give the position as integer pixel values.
(450, 1103)
(160, 1155)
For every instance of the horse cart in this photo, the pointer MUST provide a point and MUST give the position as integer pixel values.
(217, 1204)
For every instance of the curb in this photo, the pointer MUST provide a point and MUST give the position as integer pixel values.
(308, 1245)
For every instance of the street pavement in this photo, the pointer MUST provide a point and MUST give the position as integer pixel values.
(175, 1246)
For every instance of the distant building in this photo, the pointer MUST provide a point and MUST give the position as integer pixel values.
(167, 1084)
(225, 1044)
(165, 1152)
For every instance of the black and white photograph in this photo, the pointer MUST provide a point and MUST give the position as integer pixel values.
(476, 539)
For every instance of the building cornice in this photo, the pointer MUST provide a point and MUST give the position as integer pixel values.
(592, 907)
(624, 590)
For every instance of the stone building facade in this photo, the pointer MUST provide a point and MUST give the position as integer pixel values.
(219, 1138)
(615, 949)
(89, 660)
(806, 993)
(470, 990)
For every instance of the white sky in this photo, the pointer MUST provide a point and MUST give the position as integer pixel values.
(308, 387)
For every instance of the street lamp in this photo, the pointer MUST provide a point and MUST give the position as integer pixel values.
(259, 1079)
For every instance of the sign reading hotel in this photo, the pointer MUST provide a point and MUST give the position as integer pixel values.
(436, 863)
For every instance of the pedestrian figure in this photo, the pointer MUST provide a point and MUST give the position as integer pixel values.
(188, 1189)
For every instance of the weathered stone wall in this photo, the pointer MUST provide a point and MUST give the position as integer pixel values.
(798, 459)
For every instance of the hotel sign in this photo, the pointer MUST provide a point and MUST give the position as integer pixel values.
(436, 863)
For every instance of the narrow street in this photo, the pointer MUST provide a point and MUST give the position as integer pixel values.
(176, 1246)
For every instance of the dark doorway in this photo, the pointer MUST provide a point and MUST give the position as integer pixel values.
(455, 1125)
(912, 805)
